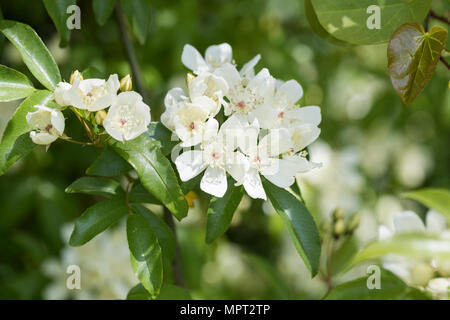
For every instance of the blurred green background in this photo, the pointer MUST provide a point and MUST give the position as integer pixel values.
(372, 148)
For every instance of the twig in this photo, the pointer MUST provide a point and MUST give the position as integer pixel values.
(131, 54)
(445, 62)
(438, 17)
(177, 267)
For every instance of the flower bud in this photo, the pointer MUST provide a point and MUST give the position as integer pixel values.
(421, 274)
(100, 116)
(75, 75)
(126, 83)
(189, 77)
(339, 227)
(354, 222)
(338, 213)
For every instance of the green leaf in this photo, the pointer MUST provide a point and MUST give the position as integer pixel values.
(138, 292)
(94, 185)
(145, 253)
(139, 16)
(412, 58)
(102, 10)
(108, 164)
(33, 51)
(343, 255)
(437, 199)
(299, 222)
(14, 85)
(414, 245)
(57, 10)
(14, 144)
(348, 20)
(139, 194)
(391, 288)
(92, 72)
(168, 292)
(163, 136)
(221, 211)
(155, 172)
(97, 219)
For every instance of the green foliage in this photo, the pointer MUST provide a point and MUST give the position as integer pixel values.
(57, 10)
(102, 10)
(221, 211)
(412, 58)
(343, 255)
(145, 253)
(108, 164)
(168, 292)
(347, 20)
(94, 185)
(14, 145)
(300, 224)
(33, 51)
(97, 219)
(437, 199)
(139, 16)
(14, 85)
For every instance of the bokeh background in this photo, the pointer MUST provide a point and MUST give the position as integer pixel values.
(372, 148)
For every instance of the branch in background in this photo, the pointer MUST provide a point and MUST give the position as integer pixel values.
(131, 53)
(445, 63)
(438, 17)
(177, 268)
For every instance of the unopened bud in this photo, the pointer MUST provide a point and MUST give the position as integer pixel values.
(339, 227)
(126, 83)
(75, 75)
(189, 77)
(100, 116)
(354, 222)
(338, 213)
(421, 274)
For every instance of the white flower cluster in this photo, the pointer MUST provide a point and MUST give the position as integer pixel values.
(260, 132)
(127, 118)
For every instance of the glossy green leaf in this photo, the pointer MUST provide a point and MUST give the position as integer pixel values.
(410, 245)
(168, 292)
(14, 85)
(108, 164)
(162, 136)
(348, 20)
(97, 219)
(145, 253)
(221, 211)
(94, 185)
(138, 292)
(139, 194)
(92, 72)
(391, 288)
(155, 172)
(139, 16)
(57, 10)
(102, 10)
(299, 222)
(33, 51)
(412, 58)
(15, 142)
(343, 255)
(437, 199)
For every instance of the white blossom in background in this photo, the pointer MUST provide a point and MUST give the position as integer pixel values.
(47, 124)
(89, 94)
(104, 267)
(420, 273)
(260, 132)
(128, 117)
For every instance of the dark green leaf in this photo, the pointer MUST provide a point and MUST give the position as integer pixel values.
(33, 51)
(97, 219)
(299, 222)
(343, 255)
(155, 172)
(437, 199)
(57, 10)
(168, 292)
(92, 72)
(138, 292)
(412, 58)
(14, 85)
(139, 16)
(221, 211)
(94, 185)
(348, 20)
(102, 10)
(14, 145)
(139, 194)
(145, 253)
(108, 164)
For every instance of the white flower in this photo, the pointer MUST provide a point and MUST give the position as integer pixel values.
(215, 57)
(89, 94)
(217, 156)
(128, 117)
(47, 124)
(175, 99)
(211, 86)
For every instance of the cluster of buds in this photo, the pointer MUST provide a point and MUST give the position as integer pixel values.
(341, 226)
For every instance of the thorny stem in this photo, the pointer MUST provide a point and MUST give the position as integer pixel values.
(130, 52)
(177, 270)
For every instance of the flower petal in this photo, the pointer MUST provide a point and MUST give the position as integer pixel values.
(253, 186)
(288, 93)
(408, 221)
(435, 222)
(192, 59)
(281, 172)
(214, 181)
(189, 164)
(217, 55)
(309, 114)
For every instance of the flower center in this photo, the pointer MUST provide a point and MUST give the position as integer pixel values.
(241, 104)
(123, 122)
(48, 128)
(192, 125)
(281, 114)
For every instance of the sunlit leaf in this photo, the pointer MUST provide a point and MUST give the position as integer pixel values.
(94, 185)
(14, 85)
(412, 58)
(437, 199)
